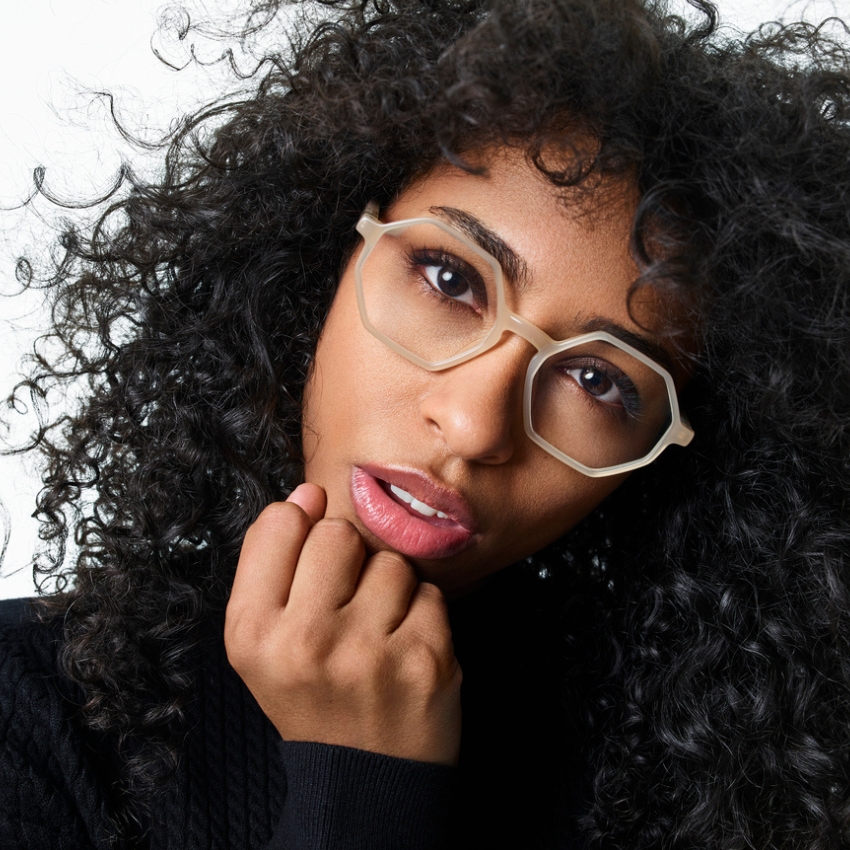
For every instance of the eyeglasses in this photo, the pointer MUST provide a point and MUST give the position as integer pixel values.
(434, 296)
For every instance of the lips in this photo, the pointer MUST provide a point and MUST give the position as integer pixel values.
(396, 521)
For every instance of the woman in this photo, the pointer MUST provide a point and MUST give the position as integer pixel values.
(544, 308)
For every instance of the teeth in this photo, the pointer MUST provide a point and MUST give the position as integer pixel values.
(419, 507)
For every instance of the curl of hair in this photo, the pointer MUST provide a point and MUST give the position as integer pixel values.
(716, 670)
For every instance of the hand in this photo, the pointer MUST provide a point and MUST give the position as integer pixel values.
(337, 648)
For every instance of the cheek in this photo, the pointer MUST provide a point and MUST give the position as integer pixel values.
(554, 503)
(356, 384)
(322, 394)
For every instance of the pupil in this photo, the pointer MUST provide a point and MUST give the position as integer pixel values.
(595, 382)
(451, 283)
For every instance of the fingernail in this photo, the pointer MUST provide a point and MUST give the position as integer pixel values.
(289, 497)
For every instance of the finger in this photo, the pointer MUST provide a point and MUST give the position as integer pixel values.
(329, 567)
(383, 594)
(311, 499)
(268, 559)
(428, 617)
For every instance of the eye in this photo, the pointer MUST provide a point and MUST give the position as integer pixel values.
(597, 383)
(449, 281)
(605, 383)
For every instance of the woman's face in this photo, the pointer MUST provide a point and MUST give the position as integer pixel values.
(379, 429)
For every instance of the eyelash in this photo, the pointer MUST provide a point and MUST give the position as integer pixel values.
(632, 406)
(429, 257)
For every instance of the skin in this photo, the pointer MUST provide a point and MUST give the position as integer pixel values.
(341, 639)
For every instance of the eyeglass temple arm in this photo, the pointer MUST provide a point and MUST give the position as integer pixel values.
(369, 225)
(685, 433)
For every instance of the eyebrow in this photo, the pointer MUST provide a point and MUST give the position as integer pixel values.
(643, 344)
(511, 262)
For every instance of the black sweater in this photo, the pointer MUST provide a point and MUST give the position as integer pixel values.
(238, 786)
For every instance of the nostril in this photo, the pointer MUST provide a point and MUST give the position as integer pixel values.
(477, 407)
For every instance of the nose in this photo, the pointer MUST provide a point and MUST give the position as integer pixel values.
(477, 406)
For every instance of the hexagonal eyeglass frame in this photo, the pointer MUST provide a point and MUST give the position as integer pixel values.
(678, 432)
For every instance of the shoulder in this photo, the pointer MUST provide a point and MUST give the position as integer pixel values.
(28, 645)
(53, 790)
(35, 701)
(16, 612)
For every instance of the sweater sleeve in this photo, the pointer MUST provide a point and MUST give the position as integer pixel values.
(340, 798)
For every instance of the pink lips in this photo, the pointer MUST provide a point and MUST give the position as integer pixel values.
(399, 525)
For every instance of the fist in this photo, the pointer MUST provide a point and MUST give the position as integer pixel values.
(338, 648)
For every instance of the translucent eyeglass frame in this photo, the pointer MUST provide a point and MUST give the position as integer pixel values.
(678, 432)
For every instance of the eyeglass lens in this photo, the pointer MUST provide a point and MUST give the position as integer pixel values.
(437, 297)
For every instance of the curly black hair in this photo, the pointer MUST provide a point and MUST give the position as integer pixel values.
(715, 683)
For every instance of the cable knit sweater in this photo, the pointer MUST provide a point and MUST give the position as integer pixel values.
(238, 786)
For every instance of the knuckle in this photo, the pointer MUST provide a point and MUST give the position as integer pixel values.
(428, 610)
(303, 648)
(280, 516)
(298, 668)
(424, 667)
(392, 566)
(297, 665)
(238, 627)
(337, 532)
(388, 558)
(431, 595)
(241, 649)
(423, 658)
(456, 675)
(429, 649)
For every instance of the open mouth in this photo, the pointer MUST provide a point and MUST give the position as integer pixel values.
(412, 504)
(436, 528)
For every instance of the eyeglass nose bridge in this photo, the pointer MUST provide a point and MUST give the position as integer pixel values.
(528, 331)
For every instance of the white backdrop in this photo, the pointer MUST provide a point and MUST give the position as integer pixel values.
(53, 53)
